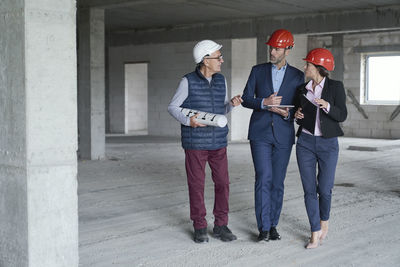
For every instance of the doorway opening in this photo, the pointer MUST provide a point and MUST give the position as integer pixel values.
(136, 94)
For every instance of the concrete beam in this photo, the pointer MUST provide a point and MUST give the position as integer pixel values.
(376, 48)
(357, 104)
(395, 113)
(109, 4)
(382, 18)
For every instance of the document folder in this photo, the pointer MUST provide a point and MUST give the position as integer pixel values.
(309, 110)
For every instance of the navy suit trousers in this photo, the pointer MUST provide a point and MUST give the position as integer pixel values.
(311, 150)
(270, 162)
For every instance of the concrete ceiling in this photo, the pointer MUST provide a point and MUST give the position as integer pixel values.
(127, 15)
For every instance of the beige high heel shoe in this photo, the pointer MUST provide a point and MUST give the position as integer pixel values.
(314, 240)
(324, 229)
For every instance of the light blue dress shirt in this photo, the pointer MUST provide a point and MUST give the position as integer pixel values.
(277, 79)
(277, 76)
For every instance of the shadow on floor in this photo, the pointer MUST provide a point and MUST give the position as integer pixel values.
(140, 139)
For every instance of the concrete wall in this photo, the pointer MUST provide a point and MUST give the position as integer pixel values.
(163, 78)
(243, 57)
(239, 55)
(377, 125)
(299, 51)
(167, 63)
(136, 110)
(331, 30)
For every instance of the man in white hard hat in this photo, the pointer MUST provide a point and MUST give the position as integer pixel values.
(205, 90)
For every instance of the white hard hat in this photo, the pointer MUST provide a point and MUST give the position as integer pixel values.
(203, 48)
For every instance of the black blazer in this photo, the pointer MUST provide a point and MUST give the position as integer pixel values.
(333, 92)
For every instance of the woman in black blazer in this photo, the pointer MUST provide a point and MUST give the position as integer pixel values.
(320, 105)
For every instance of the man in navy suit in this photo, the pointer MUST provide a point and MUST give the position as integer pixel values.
(271, 130)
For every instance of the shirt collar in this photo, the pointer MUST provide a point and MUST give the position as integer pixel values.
(320, 85)
(276, 68)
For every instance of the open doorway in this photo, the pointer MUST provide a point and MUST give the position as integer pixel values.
(136, 91)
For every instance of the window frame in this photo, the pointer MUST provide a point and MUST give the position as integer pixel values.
(365, 75)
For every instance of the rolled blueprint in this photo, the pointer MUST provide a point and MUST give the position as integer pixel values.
(206, 118)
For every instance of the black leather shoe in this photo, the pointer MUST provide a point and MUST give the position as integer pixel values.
(200, 235)
(264, 235)
(273, 234)
(223, 233)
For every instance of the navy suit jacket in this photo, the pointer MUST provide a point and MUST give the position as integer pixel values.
(259, 86)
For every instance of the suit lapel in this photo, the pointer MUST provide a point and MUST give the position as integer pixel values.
(285, 81)
(325, 90)
(268, 79)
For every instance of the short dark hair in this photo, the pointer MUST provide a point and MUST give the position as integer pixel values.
(322, 71)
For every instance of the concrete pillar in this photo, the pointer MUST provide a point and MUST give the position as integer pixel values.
(38, 133)
(244, 57)
(116, 86)
(262, 49)
(337, 51)
(91, 83)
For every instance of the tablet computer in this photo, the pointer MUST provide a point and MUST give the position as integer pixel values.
(280, 106)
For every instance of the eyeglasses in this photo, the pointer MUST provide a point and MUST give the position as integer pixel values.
(219, 58)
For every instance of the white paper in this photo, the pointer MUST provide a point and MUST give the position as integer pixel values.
(206, 118)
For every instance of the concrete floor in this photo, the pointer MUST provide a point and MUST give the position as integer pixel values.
(134, 210)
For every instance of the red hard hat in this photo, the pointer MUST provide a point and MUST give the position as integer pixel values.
(281, 39)
(322, 57)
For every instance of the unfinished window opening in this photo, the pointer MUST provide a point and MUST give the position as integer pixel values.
(381, 78)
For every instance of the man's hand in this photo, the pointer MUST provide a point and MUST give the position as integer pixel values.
(272, 100)
(284, 112)
(236, 100)
(194, 123)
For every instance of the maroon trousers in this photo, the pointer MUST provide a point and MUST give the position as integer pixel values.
(195, 162)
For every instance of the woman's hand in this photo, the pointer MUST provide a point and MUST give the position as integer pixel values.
(298, 115)
(322, 103)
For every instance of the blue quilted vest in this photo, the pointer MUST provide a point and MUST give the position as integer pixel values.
(208, 97)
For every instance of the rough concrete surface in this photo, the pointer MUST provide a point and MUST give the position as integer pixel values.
(38, 134)
(134, 210)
